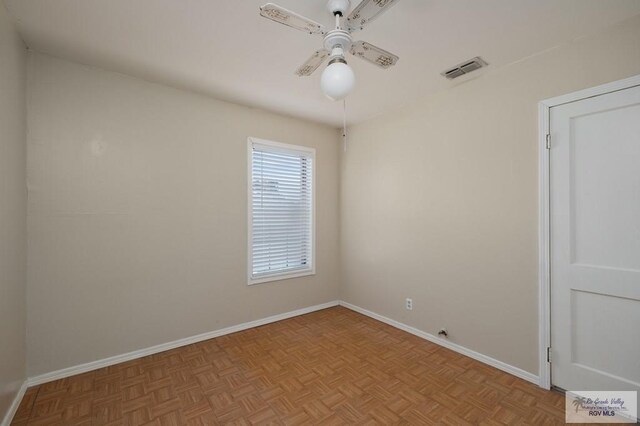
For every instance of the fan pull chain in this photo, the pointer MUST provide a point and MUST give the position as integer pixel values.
(344, 123)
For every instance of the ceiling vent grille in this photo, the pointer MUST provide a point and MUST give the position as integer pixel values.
(465, 68)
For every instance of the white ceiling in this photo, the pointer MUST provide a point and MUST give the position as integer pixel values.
(225, 49)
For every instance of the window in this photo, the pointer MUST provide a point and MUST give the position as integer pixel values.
(281, 211)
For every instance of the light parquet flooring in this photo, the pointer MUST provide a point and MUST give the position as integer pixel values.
(330, 367)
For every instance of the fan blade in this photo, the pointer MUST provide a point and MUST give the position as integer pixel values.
(291, 19)
(312, 63)
(373, 54)
(366, 12)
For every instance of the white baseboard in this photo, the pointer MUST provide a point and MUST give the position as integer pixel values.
(8, 417)
(525, 375)
(94, 365)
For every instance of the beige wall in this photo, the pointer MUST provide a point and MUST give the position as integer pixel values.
(137, 208)
(439, 200)
(13, 196)
(137, 214)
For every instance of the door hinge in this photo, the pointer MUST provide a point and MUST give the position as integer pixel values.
(549, 354)
(548, 141)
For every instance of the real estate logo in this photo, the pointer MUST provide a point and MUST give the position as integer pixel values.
(601, 407)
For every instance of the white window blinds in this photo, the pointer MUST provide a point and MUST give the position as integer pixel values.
(281, 207)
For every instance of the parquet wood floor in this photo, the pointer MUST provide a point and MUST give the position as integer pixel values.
(330, 367)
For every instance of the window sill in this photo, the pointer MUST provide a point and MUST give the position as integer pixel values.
(280, 277)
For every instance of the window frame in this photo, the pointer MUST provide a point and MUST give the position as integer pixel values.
(288, 148)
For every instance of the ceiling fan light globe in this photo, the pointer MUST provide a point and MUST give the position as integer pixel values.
(337, 81)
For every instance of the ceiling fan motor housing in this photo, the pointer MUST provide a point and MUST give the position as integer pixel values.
(338, 7)
(338, 38)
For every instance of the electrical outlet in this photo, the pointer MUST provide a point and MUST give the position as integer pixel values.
(409, 305)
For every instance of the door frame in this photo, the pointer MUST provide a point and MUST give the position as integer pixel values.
(544, 231)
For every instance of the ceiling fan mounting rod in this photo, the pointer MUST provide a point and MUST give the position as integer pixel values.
(338, 38)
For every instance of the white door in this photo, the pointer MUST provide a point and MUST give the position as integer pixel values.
(595, 242)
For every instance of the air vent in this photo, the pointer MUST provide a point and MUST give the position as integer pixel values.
(464, 68)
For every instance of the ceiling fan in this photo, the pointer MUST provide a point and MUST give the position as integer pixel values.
(338, 78)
